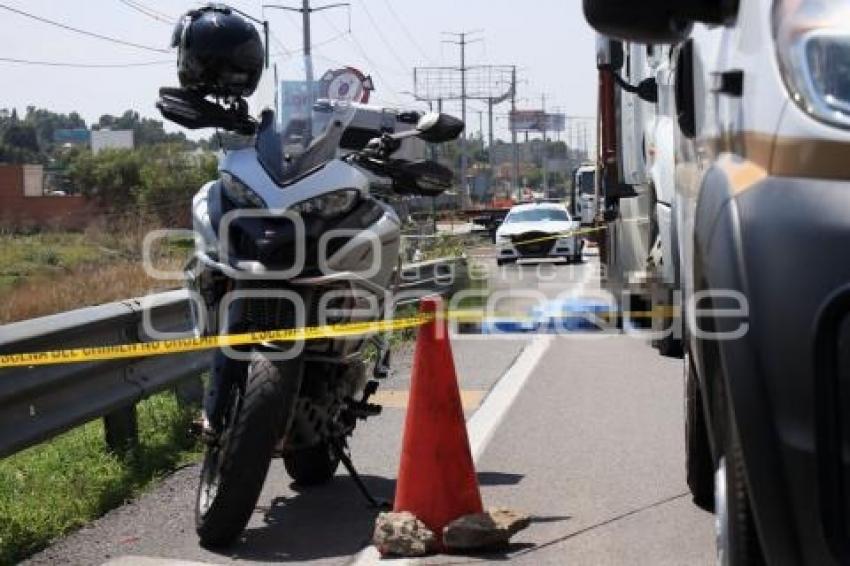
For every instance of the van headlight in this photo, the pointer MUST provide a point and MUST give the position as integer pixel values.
(239, 193)
(813, 44)
(329, 205)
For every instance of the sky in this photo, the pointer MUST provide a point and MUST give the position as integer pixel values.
(548, 41)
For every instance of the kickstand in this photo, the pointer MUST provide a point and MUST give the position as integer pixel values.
(358, 481)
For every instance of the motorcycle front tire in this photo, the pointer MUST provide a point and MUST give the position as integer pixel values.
(234, 468)
(312, 466)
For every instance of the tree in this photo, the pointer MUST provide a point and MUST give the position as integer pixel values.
(21, 136)
(156, 180)
(170, 177)
(111, 177)
(46, 123)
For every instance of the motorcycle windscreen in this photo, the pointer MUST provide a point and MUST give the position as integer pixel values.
(298, 132)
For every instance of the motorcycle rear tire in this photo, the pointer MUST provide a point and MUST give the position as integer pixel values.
(234, 470)
(311, 466)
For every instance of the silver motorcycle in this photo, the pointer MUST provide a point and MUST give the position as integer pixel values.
(296, 232)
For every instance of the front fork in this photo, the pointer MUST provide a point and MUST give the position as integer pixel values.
(225, 374)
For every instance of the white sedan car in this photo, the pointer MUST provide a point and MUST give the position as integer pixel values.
(538, 231)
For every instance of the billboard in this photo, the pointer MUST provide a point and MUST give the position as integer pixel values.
(78, 136)
(537, 121)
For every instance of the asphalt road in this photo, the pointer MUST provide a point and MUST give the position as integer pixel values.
(583, 432)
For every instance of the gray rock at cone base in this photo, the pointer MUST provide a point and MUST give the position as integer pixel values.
(402, 534)
(491, 529)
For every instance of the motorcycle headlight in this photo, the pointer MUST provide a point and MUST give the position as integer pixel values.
(813, 44)
(330, 205)
(239, 193)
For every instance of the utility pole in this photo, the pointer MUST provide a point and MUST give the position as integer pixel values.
(545, 164)
(462, 41)
(586, 143)
(305, 10)
(490, 137)
(515, 147)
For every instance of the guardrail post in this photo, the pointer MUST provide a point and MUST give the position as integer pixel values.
(190, 392)
(122, 430)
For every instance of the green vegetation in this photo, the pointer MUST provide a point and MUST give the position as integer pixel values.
(53, 488)
(158, 180)
(22, 256)
(29, 138)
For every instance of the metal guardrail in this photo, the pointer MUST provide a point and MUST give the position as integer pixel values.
(38, 403)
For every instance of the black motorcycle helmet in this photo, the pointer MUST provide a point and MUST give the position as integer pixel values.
(219, 52)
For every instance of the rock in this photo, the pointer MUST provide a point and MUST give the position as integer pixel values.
(402, 534)
(481, 531)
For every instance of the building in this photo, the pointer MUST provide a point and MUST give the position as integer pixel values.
(24, 201)
(111, 139)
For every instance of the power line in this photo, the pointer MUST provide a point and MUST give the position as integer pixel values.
(391, 48)
(351, 37)
(82, 31)
(160, 13)
(149, 12)
(286, 51)
(407, 33)
(84, 65)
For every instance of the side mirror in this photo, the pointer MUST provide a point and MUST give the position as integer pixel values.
(436, 127)
(609, 54)
(655, 21)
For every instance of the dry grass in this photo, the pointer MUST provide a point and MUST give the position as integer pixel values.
(52, 272)
(85, 286)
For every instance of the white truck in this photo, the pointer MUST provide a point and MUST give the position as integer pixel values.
(637, 185)
(586, 202)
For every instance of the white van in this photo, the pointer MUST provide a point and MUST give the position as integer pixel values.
(762, 106)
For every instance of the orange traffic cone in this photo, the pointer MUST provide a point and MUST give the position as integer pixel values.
(436, 476)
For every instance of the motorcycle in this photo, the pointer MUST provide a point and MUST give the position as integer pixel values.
(295, 233)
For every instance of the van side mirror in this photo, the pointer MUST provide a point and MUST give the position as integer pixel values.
(655, 21)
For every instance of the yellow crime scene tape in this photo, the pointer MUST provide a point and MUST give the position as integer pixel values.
(182, 345)
(559, 235)
(349, 329)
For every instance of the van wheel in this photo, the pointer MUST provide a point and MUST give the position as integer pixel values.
(670, 346)
(734, 526)
(698, 464)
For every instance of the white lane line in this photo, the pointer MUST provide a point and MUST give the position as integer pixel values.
(483, 424)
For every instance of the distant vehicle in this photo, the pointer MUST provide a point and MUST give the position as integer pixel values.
(584, 195)
(538, 231)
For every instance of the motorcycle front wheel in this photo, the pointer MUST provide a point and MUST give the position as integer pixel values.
(234, 469)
